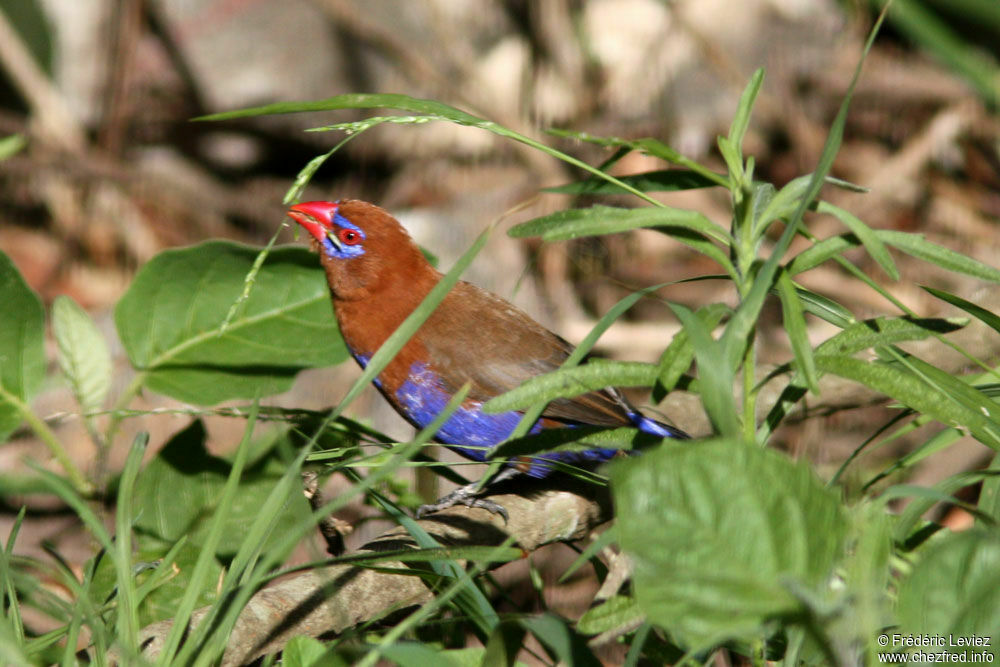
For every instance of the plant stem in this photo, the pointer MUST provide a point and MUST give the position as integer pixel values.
(47, 436)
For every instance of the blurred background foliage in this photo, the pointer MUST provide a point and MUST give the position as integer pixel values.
(106, 169)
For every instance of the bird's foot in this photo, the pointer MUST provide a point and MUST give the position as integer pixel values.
(464, 495)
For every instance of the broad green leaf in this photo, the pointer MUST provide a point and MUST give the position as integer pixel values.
(663, 180)
(178, 490)
(22, 334)
(569, 382)
(928, 394)
(169, 322)
(866, 573)
(597, 220)
(412, 654)
(83, 353)
(304, 651)
(886, 331)
(954, 592)
(721, 534)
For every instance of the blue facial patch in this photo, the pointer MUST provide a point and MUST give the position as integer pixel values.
(344, 251)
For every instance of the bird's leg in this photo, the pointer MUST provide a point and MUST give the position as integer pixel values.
(468, 495)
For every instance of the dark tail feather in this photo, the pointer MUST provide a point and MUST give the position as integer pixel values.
(659, 429)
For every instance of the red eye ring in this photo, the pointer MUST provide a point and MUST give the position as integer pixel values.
(349, 236)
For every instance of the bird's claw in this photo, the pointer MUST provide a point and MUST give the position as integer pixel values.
(463, 495)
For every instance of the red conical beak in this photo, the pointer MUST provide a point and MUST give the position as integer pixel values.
(316, 217)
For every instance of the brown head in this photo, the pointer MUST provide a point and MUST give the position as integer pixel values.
(364, 250)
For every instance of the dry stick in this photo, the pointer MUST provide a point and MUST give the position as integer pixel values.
(55, 120)
(332, 599)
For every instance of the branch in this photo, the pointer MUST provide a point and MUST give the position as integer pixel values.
(331, 599)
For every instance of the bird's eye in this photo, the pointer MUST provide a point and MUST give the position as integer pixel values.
(349, 236)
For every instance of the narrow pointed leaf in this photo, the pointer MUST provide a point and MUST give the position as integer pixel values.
(795, 326)
(741, 121)
(986, 317)
(716, 374)
(885, 331)
(598, 220)
(677, 357)
(570, 382)
(917, 246)
(916, 393)
(872, 243)
(663, 180)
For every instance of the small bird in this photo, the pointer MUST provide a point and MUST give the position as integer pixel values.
(378, 276)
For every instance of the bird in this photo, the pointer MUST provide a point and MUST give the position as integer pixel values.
(377, 276)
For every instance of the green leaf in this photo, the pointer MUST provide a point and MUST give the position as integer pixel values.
(886, 331)
(422, 107)
(304, 651)
(926, 390)
(741, 121)
(820, 252)
(22, 334)
(597, 220)
(663, 180)
(169, 322)
(783, 203)
(83, 353)
(795, 325)
(11, 145)
(569, 382)
(989, 319)
(989, 496)
(648, 145)
(563, 643)
(178, 490)
(716, 372)
(826, 309)
(917, 246)
(412, 654)
(721, 534)
(616, 613)
(677, 356)
(954, 591)
(865, 234)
